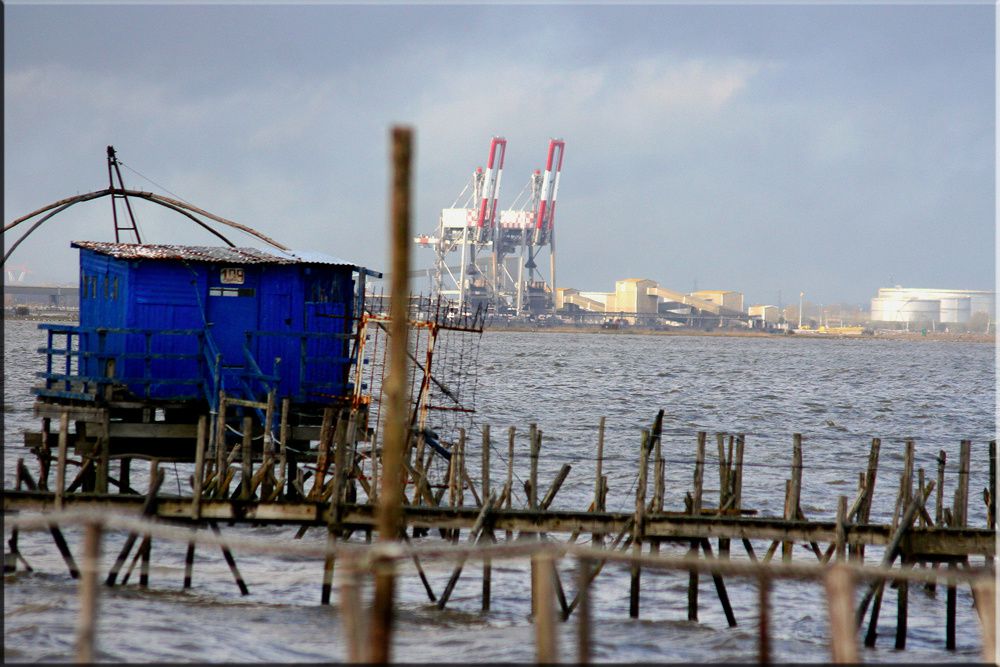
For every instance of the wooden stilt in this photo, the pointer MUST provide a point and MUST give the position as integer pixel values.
(638, 524)
(720, 587)
(328, 563)
(487, 566)
(510, 473)
(246, 458)
(699, 463)
(951, 600)
(841, 528)
(44, 456)
(795, 488)
(902, 610)
(64, 551)
(148, 507)
(188, 565)
(284, 431)
(231, 562)
(146, 552)
(764, 622)
(598, 538)
(61, 460)
(420, 571)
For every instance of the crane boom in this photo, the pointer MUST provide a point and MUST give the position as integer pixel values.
(486, 220)
(550, 188)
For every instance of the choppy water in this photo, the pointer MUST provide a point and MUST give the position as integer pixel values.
(837, 393)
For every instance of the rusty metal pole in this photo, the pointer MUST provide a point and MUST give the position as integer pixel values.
(390, 508)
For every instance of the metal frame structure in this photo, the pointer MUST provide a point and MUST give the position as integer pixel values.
(488, 242)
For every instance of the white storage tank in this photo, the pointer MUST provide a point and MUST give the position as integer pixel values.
(956, 310)
(878, 310)
(984, 302)
(920, 310)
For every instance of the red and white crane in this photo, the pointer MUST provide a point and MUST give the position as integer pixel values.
(477, 227)
(545, 217)
(490, 191)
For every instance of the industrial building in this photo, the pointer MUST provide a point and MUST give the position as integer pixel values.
(931, 306)
(766, 313)
(640, 300)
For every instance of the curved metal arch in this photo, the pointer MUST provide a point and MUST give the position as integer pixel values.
(173, 204)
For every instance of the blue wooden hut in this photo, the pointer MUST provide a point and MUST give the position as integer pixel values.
(178, 322)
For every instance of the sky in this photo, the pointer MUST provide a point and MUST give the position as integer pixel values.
(768, 149)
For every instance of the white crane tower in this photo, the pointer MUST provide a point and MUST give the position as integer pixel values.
(498, 269)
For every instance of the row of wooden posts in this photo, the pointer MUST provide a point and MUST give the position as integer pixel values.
(356, 561)
(909, 509)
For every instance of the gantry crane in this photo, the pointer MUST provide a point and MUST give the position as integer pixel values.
(498, 269)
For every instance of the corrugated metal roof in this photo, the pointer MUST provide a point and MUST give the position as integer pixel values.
(216, 254)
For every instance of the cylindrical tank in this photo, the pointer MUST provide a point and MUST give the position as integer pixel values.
(878, 310)
(919, 310)
(956, 310)
(984, 302)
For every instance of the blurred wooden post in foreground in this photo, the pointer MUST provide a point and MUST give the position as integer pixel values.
(390, 508)
(87, 622)
(840, 606)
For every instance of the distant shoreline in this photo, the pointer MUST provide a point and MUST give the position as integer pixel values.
(736, 333)
(639, 331)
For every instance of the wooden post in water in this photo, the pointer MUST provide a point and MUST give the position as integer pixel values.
(267, 463)
(88, 590)
(598, 538)
(61, 460)
(961, 511)
(724, 472)
(950, 608)
(199, 467)
(939, 498)
(864, 510)
(534, 444)
(638, 524)
(44, 456)
(991, 513)
(908, 473)
(763, 624)
(323, 453)
(246, 457)
(283, 432)
(699, 469)
(390, 508)
(487, 566)
(795, 490)
(510, 474)
(841, 528)
(220, 445)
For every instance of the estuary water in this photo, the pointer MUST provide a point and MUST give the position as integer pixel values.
(838, 393)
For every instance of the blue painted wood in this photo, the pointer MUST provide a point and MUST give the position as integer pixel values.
(168, 323)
